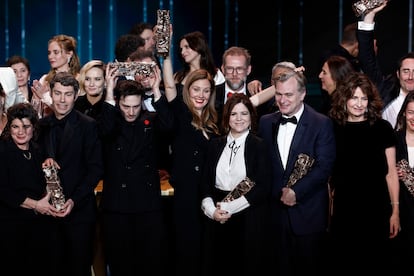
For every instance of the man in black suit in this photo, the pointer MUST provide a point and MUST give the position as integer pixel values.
(71, 138)
(133, 222)
(299, 211)
(394, 87)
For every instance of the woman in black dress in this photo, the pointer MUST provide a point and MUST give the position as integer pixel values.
(364, 181)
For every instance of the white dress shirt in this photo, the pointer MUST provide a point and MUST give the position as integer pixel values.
(390, 112)
(285, 136)
(230, 170)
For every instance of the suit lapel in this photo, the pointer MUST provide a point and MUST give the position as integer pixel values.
(297, 140)
(275, 131)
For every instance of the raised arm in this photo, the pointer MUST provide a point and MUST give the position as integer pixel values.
(168, 77)
(263, 96)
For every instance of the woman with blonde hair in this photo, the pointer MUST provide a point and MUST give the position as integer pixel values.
(91, 88)
(62, 56)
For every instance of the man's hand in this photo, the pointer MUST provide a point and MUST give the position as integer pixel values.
(288, 196)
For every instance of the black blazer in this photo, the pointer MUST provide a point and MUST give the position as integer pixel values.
(19, 178)
(314, 136)
(80, 159)
(131, 178)
(406, 199)
(258, 168)
(388, 86)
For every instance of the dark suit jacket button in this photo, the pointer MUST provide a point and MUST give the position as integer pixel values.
(196, 168)
(195, 152)
(123, 185)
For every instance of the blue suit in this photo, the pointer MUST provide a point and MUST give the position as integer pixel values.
(307, 220)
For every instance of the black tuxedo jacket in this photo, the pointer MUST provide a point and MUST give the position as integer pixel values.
(313, 136)
(79, 156)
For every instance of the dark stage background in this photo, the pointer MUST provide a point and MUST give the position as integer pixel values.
(294, 30)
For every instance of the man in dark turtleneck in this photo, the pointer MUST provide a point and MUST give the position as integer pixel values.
(71, 138)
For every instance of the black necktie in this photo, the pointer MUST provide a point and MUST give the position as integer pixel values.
(285, 120)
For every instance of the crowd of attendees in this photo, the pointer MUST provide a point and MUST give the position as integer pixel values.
(262, 180)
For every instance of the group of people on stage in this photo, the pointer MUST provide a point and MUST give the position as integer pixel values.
(262, 180)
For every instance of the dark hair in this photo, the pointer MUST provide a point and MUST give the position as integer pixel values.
(125, 88)
(339, 67)
(141, 53)
(346, 90)
(409, 55)
(138, 28)
(126, 45)
(2, 92)
(349, 35)
(66, 79)
(197, 42)
(18, 59)
(20, 111)
(401, 122)
(228, 108)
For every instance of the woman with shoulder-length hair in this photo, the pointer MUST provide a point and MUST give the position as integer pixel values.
(365, 171)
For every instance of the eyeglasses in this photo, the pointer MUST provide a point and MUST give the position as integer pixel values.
(230, 70)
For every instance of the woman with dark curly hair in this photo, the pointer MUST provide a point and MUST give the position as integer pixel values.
(364, 181)
(23, 200)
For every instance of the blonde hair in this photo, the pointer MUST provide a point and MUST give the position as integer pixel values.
(68, 44)
(85, 68)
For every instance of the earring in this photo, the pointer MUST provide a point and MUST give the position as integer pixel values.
(69, 59)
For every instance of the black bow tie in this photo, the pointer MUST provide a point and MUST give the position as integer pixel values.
(285, 120)
(145, 96)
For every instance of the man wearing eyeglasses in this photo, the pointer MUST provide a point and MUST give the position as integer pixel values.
(236, 66)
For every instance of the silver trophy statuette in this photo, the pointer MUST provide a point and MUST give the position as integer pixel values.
(57, 198)
(162, 33)
(132, 68)
(362, 7)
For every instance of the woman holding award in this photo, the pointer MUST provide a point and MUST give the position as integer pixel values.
(24, 204)
(237, 167)
(405, 165)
